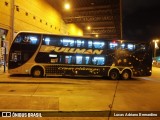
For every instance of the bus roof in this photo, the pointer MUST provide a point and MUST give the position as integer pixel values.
(46, 33)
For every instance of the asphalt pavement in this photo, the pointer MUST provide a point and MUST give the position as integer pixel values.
(82, 98)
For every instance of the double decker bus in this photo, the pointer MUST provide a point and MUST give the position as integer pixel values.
(40, 54)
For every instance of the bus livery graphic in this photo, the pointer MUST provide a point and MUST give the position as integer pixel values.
(69, 50)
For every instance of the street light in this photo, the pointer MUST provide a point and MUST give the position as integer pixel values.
(155, 46)
(88, 27)
(67, 6)
(97, 35)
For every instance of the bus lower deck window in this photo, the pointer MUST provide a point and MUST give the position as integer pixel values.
(98, 60)
(68, 59)
(78, 59)
(87, 60)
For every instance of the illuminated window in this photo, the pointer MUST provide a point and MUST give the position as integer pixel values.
(51, 40)
(130, 47)
(113, 45)
(98, 60)
(27, 39)
(87, 60)
(68, 59)
(67, 42)
(53, 55)
(80, 43)
(98, 45)
(33, 39)
(123, 46)
(78, 59)
(30, 39)
(89, 44)
(18, 39)
(47, 41)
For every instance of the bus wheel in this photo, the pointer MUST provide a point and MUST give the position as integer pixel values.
(37, 72)
(126, 74)
(114, 74)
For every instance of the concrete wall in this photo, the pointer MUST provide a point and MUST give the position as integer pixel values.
(34, 15)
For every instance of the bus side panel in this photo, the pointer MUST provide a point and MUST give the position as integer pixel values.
(75, 70)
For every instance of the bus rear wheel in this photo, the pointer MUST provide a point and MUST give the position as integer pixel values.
(114, 74)
(37, 72)
(126, 74)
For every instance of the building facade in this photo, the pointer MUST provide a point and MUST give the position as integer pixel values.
(31, 15)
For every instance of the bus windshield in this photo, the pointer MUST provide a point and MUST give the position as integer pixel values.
(23, 48)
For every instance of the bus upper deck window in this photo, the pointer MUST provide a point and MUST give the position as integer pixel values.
(26, 39)
(113, 45)
(51, 40)
(30, 39)
(98, 45)
(33, 39)
(80, 43)
(123, 46)
(46, 40)
(67, 42)
(130, 47)
(89, 44)
(18, 39)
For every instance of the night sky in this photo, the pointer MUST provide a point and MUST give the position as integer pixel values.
(141, 19)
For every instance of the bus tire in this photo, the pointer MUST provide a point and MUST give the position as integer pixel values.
(37, 72)
(114, 74)
(126, 74)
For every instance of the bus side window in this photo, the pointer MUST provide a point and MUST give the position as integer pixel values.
(122, 46)
(79, 59)
(69, 59)
(80, 43)
(98, 60)
(113, 45)
(51, 40)
(67, 42)
(55, 40)
(99, 45)
(46, 41)
(89, 44)
(87, 60)
(130, 47)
